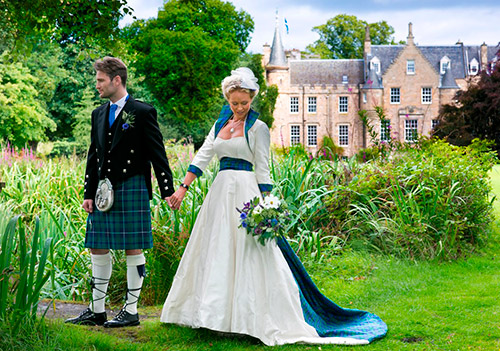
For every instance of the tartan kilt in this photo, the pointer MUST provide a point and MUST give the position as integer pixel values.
(127, 225)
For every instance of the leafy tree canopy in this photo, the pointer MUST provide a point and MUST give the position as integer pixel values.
(343, 36)
(22, 115)
(185, 53)
(475, 112)
(65, 21)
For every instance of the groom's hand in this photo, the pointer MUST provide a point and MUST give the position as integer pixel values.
(88, 205)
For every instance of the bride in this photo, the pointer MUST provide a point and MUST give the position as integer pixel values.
(226, 280)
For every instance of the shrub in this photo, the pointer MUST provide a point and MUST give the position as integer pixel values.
(430, 201)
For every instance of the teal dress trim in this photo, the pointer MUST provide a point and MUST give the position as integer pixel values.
(329, 319)
(237, 164)
(193, 169)
(265, 188)
(225, 115)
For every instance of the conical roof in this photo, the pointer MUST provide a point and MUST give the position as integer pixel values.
(278, 57)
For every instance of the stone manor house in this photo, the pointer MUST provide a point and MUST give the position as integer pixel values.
(410, 82)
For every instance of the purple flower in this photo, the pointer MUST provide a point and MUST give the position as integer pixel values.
(125, 126)
(243, 215)
(244, 224)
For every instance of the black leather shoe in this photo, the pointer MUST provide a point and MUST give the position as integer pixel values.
(123, 319)
(87, 317)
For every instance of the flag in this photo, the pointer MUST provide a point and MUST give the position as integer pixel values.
(286, 25)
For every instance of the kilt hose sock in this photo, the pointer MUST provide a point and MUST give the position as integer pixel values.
(101, 272)
(135, 276)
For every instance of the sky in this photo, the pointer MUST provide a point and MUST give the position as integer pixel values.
(435, 22)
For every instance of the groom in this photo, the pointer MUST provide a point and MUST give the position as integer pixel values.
(125, 142)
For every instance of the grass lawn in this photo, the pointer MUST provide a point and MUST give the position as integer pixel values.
(427, 306)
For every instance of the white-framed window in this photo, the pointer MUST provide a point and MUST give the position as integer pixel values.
(294, 104)
(375, 64)
(411, 130)
(410, 66)
(473, 67)
(311, 104)
(444, 64)
(426, 95)
(395, 95)
(344, 135)
(385, 130)
(312, 135)
(345, 79)
(434, 123)
(343, 104)
(294, 134)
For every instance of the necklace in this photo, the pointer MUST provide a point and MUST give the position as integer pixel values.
(235, 124)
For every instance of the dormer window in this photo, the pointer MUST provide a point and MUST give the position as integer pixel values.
(473, 67)
(445, 64)
(375, 65)
(345, 79)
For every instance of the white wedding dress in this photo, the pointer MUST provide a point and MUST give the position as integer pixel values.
(228, 282)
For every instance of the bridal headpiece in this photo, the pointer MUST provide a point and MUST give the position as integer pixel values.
(242, 78)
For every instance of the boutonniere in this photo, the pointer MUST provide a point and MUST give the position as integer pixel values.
(128, 119)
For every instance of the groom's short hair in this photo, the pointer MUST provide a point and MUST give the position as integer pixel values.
(113, 67)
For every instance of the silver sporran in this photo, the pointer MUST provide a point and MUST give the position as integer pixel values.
(104, 196)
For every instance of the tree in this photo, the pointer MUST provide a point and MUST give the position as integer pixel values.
(475, 112)
(22, 116)
(185, 53)
(342, 37)
(26, 21)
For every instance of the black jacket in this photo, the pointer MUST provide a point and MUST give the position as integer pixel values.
(118, 153)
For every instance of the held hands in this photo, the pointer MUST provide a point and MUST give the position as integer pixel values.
(175, 200)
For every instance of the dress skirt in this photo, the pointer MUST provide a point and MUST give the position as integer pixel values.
(228, 282)
(127, 225)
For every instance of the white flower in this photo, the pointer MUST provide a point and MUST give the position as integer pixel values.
(257, 209)
(271, 201)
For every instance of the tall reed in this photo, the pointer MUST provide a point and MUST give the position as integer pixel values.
(22, 280)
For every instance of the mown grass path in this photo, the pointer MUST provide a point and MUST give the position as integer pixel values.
(427, 306)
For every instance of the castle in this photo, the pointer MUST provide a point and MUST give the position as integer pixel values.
(319, 97)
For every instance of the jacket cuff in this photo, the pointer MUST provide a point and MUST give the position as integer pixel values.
(193, 169)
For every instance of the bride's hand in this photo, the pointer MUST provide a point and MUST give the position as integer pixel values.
(175, 200)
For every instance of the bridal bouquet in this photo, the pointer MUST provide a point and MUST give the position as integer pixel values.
(266, 219)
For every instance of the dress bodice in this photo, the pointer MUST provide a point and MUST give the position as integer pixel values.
(236, 147)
